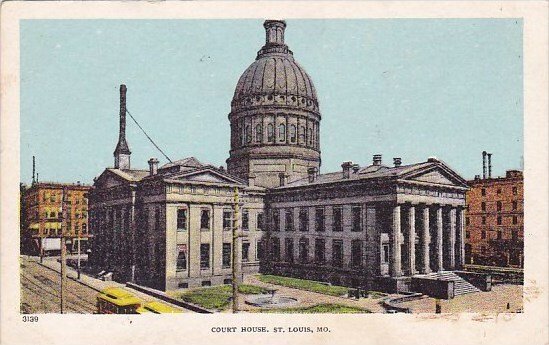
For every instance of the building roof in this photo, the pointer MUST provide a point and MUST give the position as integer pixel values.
(132, 175)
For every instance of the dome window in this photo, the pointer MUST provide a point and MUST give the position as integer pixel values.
(270, 133)
(270, 97)
(293, 99)
(302, 134)
(293, 133)
(310, 136)
(281, 133)
(248, 134)
(258, 133)
(303, 100)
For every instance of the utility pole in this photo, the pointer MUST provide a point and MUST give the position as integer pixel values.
(78, 270)
(234, 251)
(63, 249)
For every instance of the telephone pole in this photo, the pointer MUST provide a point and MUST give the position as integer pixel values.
(234, 251)
(63, 249)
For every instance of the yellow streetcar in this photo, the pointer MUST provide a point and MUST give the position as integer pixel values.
(115, 300)
(157, 308)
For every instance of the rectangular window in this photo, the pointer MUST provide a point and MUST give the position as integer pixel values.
(275, 248)
(498, 205)
(303, 219)
(483, 220)
(205, 255)
(205, 219)
(289, 219)
(227, 220)
(483, 234)
(319, 219)
(515, 220)
(320, 248)
(245, 220)
(499, 235)
(467, 221)
(499, 220)
(182, 219)
(356, 212)
(385, 253)
(515, 190)
(304, 250)
(483, 192)
(515, 205)
(514, 235)
(467, 234)
(245, 251)
(483, 250)
(498, 191)
(227, 254)
(181, 257)
(483, 206)
(356, 253)
(276, 220)
(337, 253)
(338, 218)
(260, 221)
(289, 248)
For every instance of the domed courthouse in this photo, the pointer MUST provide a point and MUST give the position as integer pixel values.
(377, 226)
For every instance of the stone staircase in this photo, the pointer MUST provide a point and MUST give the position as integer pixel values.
(461, 286)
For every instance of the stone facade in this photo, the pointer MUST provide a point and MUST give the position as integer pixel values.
(495, 221)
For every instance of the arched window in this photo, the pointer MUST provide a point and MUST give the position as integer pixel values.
(248, 134)
(281, 132)
(302, 134)
(258, 133)
(270, 133)
(310, 136)
(293, 133)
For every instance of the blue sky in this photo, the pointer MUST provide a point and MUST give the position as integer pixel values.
(409, 88)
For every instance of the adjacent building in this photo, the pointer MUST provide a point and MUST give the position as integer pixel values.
(374, 226)
(495, 220)
(43, 217)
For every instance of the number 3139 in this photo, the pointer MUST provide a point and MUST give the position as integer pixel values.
(27, 318)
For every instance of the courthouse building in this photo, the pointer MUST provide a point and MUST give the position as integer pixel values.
(374, 225)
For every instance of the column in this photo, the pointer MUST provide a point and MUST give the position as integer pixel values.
(461, 237)
(452, 244)
(412, 240)
(373, 243)
(439, 239)
(426, 240)
(395, 264)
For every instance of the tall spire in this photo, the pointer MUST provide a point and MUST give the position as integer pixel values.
(122, 152)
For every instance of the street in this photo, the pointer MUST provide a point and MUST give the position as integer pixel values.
(40, 291)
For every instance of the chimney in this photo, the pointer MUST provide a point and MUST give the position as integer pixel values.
(477, 177)
(78, 183)
(397, 162)
(483, 164)
(312, 173)
(346, 169)
(489, 165)
(122, 152)
(153, 166)
(377, 159)
(282, 178)
(33, 170)
(356, 168)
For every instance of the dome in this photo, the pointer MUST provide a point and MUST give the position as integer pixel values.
(275, 78)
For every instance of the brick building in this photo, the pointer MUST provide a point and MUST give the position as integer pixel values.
(41, 205)
(495, 221)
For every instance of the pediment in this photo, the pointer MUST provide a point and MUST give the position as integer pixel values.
(437, 176)
(109, 179)
(434, 177)
(206, 176)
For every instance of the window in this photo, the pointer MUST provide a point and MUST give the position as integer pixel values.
(338, 223)
(467, 234)
(320, 248)
(258, 133)
(293, 133)
(270, 133)
(245, 220)
(483, 249)
(182, 219)
(228, 281)
(498, 191)
(498, 205)
(275, 248)
(260, 221)
(356, 253)
(281, 133)
(357, 218)
(302, 134)
(226, 255)
(385, 255)
(181, 263)
(515, 190)
(303, 250)
(276, 220)
(205, 255)
(183, 285)
(245, 251)
(337, 253)
(310, 137)
(248, 134)
(259, 250)
(205, 219)
(499, 220)
(483, 206)
(84, 228)
(483, 234)
(483, 192)
(289, 248)
(289, 219)
(206, 283)
(499, 235)
(303, 219)
(483, 220)
(515, 220)
(514, 235)
(515, 205)
(467, 221)
(319, 219)
(227, 220)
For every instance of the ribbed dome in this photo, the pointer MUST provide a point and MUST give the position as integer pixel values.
(275, 78)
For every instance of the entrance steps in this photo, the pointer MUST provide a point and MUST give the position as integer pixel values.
(461, 286)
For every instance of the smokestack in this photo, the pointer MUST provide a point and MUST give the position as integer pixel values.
(483, 164)
(489, 165)
(153, 166)
(346, 166)
(122, 152)
(397, 161)
(356, 168)
(377, 159)
(33, 170)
